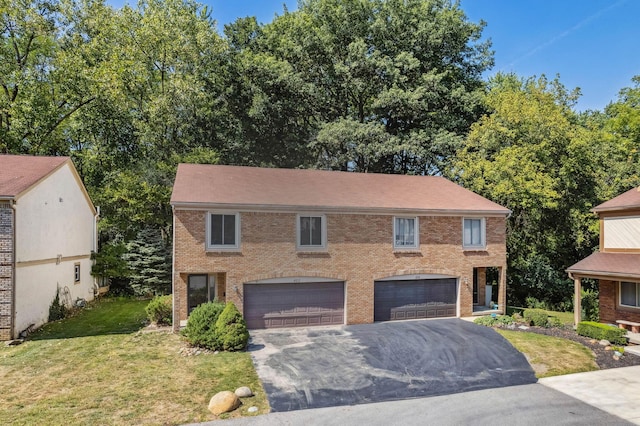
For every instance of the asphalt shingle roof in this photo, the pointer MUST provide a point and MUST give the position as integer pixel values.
(269, 188)
(603, 264)
(20, 172)
(628, 201)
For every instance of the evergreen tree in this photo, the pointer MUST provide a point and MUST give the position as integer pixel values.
(149, 260)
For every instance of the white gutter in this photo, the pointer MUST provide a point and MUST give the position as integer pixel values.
(339, 209)
(96, 217)
(12, 203)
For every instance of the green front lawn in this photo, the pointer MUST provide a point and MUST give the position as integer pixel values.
(99, 367)
(551, 356)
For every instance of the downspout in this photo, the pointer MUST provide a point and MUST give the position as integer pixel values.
(96, 217)
(14, 269)
(175, 314)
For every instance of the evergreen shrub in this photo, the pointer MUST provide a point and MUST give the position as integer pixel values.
(160, 310)
(201, 326)
(231, 329)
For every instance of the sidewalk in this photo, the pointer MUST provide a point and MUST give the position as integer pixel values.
(533, 404)
(616, 390)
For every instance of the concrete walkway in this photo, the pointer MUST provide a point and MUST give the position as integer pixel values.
(616, 391)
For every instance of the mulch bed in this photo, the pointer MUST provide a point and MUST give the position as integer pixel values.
(604, 358)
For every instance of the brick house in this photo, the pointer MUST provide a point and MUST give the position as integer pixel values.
(47, 233)
(311, 247)
(616, 265)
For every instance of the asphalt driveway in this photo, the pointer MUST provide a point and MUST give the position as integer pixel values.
(345, 365)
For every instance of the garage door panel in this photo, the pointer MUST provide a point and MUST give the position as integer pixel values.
(293, 304)
(412, 299)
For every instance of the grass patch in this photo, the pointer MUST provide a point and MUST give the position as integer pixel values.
(565, 318)
(551, 356)
(92, 369)
(106, 316)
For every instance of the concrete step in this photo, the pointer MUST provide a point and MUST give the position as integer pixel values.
(635, 350)
(633, 337)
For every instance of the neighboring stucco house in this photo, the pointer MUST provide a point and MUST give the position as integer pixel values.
(617, 265)
(47, 233)
(311, 247)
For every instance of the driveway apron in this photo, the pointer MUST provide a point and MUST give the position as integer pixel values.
(345, 365)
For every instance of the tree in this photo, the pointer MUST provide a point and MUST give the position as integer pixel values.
(49, 71)
(621, 122)
(531, 154)
(402, 77)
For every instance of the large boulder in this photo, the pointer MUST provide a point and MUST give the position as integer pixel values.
(223, 402)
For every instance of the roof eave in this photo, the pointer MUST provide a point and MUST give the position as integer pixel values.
(615, 209)
(335, 209)
(596, 274)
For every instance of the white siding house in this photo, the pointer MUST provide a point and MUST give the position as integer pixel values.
(47, 233)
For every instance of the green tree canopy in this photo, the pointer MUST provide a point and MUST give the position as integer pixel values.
(411, 69)
(531, 155)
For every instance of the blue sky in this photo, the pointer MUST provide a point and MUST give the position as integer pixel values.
(592, 44)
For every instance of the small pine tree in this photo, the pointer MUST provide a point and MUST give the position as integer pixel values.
(231, 329)
(57, 310)
(149, 261)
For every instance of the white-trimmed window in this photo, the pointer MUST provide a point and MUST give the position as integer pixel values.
(474, 233)
(311, 232)
(405, 233)
(76, 273)
(223, 231)
(630, 294)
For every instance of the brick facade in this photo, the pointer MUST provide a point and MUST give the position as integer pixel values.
(6, 271)
(359, 251)
(610, 309)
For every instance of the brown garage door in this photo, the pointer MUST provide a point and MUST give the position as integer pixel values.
(398, 300)
(293, 305)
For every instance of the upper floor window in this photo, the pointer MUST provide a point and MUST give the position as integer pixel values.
(473, 233)
(312, 232)
(223, 231)
(405, 232)
(630, 294)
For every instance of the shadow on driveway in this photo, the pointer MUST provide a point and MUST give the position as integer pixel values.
(331, 366)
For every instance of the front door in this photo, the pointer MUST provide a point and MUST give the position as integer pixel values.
(202, 289)
(475, 286)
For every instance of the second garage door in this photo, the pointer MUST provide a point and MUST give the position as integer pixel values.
(293, 304)
(398, 300)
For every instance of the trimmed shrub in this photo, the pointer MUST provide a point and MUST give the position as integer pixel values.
(599, 331)
(536, 317)
(200, 329)
(160, 310)
(231, 329)
(491, 321)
